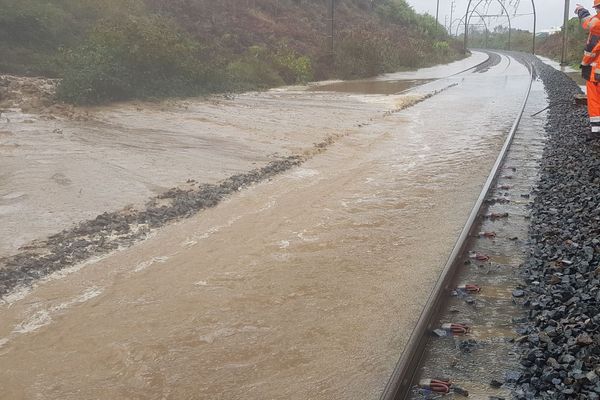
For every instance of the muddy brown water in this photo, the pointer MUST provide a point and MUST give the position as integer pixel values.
(305, 286)
(56, 171)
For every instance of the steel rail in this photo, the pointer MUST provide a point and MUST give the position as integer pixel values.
(473, 67)
(399, 385)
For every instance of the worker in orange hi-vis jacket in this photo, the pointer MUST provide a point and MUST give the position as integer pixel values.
(589, 64)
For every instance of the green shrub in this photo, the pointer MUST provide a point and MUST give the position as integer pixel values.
(132, 58)
(33, 31)
(364, 53)
(441, 50)
(397, 12)
(31, 24)
(358, 57)
(261, 68)
(292, 67)
(551, 45)
(253, 71)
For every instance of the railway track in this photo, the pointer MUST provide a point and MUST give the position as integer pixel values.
(486, 255)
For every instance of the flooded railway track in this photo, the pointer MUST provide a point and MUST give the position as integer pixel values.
(465, 341)
(303, 285)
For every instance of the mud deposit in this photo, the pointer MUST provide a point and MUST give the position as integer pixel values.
(110, 231)
(32, 95)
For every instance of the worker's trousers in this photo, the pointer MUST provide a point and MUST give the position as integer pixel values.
(593, 99)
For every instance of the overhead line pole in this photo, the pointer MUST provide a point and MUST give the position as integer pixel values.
(466, 39)
(451, 15)
(331, 29)
(563, 56)
(534, 25)
(437, 15)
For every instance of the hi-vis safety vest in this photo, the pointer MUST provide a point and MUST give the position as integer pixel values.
(591, 56)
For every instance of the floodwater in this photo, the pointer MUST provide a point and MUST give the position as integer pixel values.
(370, 86)
(56, 171)
(399, 82)
(303, 287)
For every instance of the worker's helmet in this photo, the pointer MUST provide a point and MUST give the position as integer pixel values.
(596, 3)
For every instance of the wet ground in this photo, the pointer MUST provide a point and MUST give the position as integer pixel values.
(305, 285)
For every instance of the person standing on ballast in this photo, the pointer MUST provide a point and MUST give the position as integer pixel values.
(590, 68)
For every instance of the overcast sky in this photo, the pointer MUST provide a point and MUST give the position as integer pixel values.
(550, 13)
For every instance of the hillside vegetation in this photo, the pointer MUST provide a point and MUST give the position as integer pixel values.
(107, 50)
(551, 46)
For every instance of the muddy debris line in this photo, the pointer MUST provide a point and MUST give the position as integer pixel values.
(36, 95)
(109, 231)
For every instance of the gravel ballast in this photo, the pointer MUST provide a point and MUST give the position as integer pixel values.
(560, 346)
